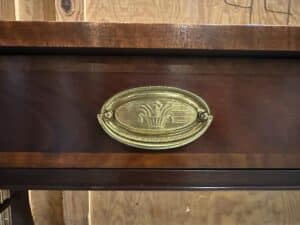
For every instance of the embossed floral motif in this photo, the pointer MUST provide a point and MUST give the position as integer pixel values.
(155, 115)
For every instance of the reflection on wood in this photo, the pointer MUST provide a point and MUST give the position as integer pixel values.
(279, 12)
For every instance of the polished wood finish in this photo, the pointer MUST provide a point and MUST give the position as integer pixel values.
(149, 179)
(154, 36)
(50, 101)
(254, 102)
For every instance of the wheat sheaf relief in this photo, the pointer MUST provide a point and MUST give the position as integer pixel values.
(155, 115)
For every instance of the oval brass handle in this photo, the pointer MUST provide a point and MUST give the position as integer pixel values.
(155, 117)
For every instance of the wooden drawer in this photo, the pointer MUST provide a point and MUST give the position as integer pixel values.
(50, 135)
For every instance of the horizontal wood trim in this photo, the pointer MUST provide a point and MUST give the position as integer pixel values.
(150, 36)
(147, 160)
(148, 179)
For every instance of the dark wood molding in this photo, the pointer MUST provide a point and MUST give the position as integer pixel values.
(150, 36)
(148, 179)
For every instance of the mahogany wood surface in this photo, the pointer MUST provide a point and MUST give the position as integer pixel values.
(150, 36)
(149, 179)
(49, 104)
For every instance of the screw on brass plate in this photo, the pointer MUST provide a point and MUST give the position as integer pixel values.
(108, 114)
(203, 116)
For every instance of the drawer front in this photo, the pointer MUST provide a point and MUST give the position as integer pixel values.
(49, 104)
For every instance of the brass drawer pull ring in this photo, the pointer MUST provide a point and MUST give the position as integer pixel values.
(155, 117)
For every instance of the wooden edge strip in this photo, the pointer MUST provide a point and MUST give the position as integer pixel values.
(149, 36)
(148, 179)
(135, 160)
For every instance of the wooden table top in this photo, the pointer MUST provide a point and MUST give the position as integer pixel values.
(54, 77)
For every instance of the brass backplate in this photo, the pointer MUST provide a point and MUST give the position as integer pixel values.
(155, 117)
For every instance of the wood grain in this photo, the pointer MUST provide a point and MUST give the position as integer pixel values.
(295, 13)
(224, 208)
(38, 10)
(279, 12)
(74, 81)
(279, 207)
(225, 12)
(212, 38)
(143, 11)
(163, 160)
(150, 179)
(7, 10)
(69, 10)
(275, 12)
(151, 208)
(47, 207)
(76, 207)
(209, 208)
(190, 12)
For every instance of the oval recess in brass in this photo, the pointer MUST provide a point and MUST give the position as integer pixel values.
(155, 117)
